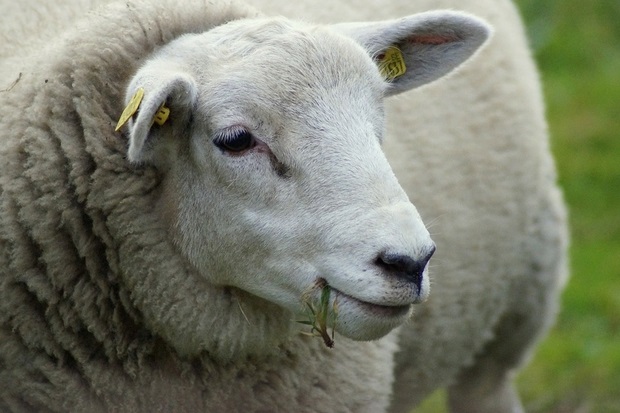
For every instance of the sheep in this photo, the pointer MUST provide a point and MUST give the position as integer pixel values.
(165, 267)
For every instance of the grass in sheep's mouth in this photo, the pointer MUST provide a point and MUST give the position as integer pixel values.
(320, 316)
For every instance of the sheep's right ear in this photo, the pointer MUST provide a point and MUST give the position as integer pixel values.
(157, 99)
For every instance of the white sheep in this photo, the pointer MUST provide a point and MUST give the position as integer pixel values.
(164, 267)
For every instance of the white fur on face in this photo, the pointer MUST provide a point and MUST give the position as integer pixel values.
(315, 200)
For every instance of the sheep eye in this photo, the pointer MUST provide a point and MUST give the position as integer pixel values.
(235, 140)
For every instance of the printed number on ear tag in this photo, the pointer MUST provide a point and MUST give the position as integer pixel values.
(392, 63)
(131, 109)
(162, 115)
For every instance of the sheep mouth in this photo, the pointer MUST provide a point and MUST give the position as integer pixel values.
(339, 301)
(352, 317)
(377, 310)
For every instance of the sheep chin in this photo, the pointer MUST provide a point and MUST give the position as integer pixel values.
(363, 321)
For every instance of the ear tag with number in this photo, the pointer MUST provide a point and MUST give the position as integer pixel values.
(162, 115)
(131, 109)
(134, 104)
(392, 63)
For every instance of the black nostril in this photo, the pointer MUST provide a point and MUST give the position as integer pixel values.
(404, 266)
(398, 264)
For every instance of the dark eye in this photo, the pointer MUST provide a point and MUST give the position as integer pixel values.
(235, 140)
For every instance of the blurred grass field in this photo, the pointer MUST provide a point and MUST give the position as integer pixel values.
(577, 46)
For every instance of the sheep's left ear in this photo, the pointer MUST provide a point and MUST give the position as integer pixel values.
(421, 48)
(159, 97)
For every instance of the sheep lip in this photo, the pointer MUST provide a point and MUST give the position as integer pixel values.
(383, 310)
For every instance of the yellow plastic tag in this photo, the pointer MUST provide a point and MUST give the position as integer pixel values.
(392, 63)
(162, 115)
(131, 109)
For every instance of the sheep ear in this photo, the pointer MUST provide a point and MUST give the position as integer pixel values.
(157, 99)
(421, 48)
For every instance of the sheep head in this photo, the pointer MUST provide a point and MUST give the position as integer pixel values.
(274, 177)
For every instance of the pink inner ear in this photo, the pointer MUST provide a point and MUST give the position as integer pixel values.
(431, 39)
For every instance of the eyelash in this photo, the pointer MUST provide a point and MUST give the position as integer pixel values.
(235, 140)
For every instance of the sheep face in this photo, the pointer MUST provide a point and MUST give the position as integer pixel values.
(275, 181)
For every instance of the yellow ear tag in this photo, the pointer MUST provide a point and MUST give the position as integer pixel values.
(162, 115)
(131, 109)
(392, 63)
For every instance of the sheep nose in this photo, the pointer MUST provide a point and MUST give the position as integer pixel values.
(404, 266)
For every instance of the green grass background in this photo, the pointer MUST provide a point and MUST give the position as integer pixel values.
(577, 46)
